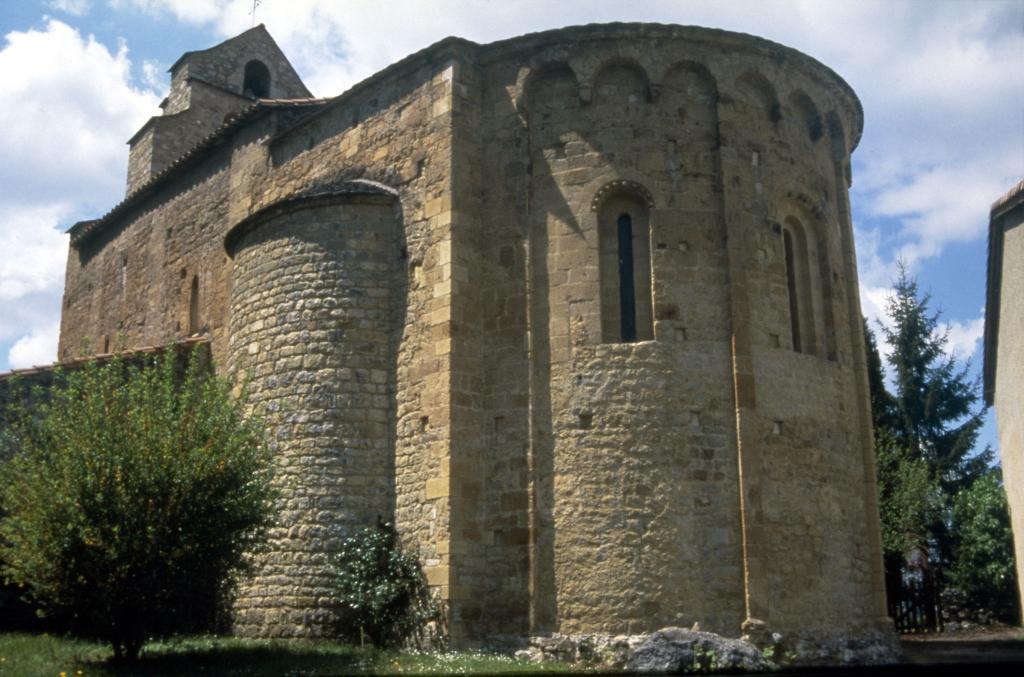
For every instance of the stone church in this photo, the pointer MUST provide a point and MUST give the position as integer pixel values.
(577, 311)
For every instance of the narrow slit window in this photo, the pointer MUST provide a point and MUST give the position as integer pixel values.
(791, 286)
(193, 307)
(627, 289)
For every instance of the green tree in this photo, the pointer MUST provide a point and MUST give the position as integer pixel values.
(883, 405)
(909, 498)
(132, 496)
(938, 411)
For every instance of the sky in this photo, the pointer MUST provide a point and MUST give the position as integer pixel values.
(940, 83)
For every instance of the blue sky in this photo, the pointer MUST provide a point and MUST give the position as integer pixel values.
(940, 82)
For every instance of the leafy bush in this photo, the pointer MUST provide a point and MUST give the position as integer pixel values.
(983, 568)
(132, 496)
(910, 499)
(381, 589)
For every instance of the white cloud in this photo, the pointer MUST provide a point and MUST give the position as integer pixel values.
(37, 348)
(31, 282)
(155, 75)
(943, 101)
(67, 107)
(963, 337)
(191, 11)
(41, 250)
(940, 205)
(73, 7)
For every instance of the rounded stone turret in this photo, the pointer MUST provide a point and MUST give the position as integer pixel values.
(313, 323)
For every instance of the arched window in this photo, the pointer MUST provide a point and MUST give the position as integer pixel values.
(791, 287)
(798, 287)
(625, 268)
(256, 84)
(193, 307)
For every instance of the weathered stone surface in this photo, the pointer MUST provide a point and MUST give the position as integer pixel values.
(677, 650)
(867, 646)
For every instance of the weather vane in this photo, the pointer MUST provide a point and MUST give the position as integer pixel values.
(255, 4)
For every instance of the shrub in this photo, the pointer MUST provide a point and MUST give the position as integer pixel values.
(983, 566)
(131, 498)
(381, 589)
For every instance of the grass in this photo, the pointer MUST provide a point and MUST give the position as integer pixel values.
(50, 656)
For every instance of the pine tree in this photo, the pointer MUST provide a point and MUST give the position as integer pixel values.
(883, 405)
(909, 499)
(937, 404)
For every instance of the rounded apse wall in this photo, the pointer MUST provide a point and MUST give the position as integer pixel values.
(313, 312)
(700, 443)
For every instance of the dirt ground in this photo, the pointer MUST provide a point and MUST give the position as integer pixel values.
(1002, 645)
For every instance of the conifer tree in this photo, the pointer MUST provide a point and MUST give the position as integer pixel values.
(938, 411)
(883, 406)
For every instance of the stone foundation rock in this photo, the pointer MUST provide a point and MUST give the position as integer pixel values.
(675, 649)
(678, 650)
(863, 647)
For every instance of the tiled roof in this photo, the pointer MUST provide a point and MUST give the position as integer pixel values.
(81, 361)
(1014, 194)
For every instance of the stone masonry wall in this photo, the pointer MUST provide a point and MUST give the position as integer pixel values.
(179, 234)
(312, 316)
(207, 86)
(224, 66)
(130, 286)
(397, 133)
(170, 136)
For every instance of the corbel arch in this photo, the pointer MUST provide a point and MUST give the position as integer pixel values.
(755, 88)
(550, 85)
(807, 114)
(620, 81)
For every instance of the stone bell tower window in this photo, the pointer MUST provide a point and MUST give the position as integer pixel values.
(256, 84)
